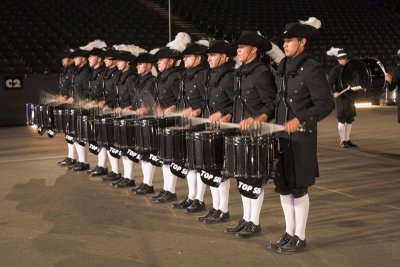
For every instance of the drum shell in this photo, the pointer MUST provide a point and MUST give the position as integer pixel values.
(124, 134)
(86, 128)
(205, 150)
(248, 157)
(30, 113)
(60, 121)
(106, 131)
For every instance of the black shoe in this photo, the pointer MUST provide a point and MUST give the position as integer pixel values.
(126, 183)
(162, 192)
(145, 189)
(210, 214)
(344, 144)
(196, 206)
(118, 181)
(350, 144)
(73, 164)
(249, 230)
(67, 161)
(81, 167)
(98, 171)
(281, 242)
(218, 217)
(166, 197)
(134, 189)
(111, 176)
(295, 244)
(184, 204)
(241, 224)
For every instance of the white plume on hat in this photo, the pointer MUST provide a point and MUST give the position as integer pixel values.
(276, 54)
(203, 42)
(153, 51)
(312, 21)
(180, 42)
(398, 52)
(95, 44)
(333, 52)
(133, 49)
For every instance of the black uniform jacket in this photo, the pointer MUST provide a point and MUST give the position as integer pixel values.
(66, 79)
(308, 99)
(81, 82)
(124, 87)
(257, 90)
(220, 88)
(194, 86)
(110, 80)
(144, 92)
(168, 86)
(96, 83)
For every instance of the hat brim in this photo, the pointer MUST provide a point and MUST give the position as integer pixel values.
(262, 44)
(167, 53)
(299, 30)
(222, 48)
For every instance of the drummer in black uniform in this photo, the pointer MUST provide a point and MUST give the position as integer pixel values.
(220, 90)
(191, 104)
(80, 93)
(254, 103)
(123, 101)
(345, 108)
(65, 85)
(106, 103)
(303, 99)
(168, 92)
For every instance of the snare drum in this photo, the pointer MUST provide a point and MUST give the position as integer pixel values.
(124, 134)
(30, 113)
(60, 120)
(106, 131)
(85, 129)
(248, 157)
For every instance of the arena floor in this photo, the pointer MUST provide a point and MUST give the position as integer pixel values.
(50, 216)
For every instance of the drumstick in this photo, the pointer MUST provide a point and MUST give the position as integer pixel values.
(353, 88)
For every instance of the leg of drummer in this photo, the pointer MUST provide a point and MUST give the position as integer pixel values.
(215, 206)
(342, 134)
(253, 227)
(100, 169)
(222, 213)
(243, 222)
(114, 175)
(70, 159)
(148, 170)
(198, 203)
(82, 164)
(191, 179)
(129, 181)
(169, 186)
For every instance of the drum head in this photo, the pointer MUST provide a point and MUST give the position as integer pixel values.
(365, 73)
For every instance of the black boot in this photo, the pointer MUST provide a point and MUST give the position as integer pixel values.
(241, 224)
(210, 214)
(166, 197)
(295, 244)
(111, 176)
(162, 192)
(281, 242)
(81, 167)
(350, 144)
(118, 181)
(67, 161)
(249, 230)
(218, 217)
(98, 171)
(126, 183)
(196, 206)
(145, 189)
(184, 204)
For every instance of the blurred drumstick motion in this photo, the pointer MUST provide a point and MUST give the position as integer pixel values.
(352, 88)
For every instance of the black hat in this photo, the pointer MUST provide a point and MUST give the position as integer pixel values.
(97, 52)
(342, 53)
(110, 53)
(145, 58)
(125, 56)
(166, 52)
(65, 54)
(221, 47)
(80, 53)
(254, 39)
(195, 49)
(302, 29)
